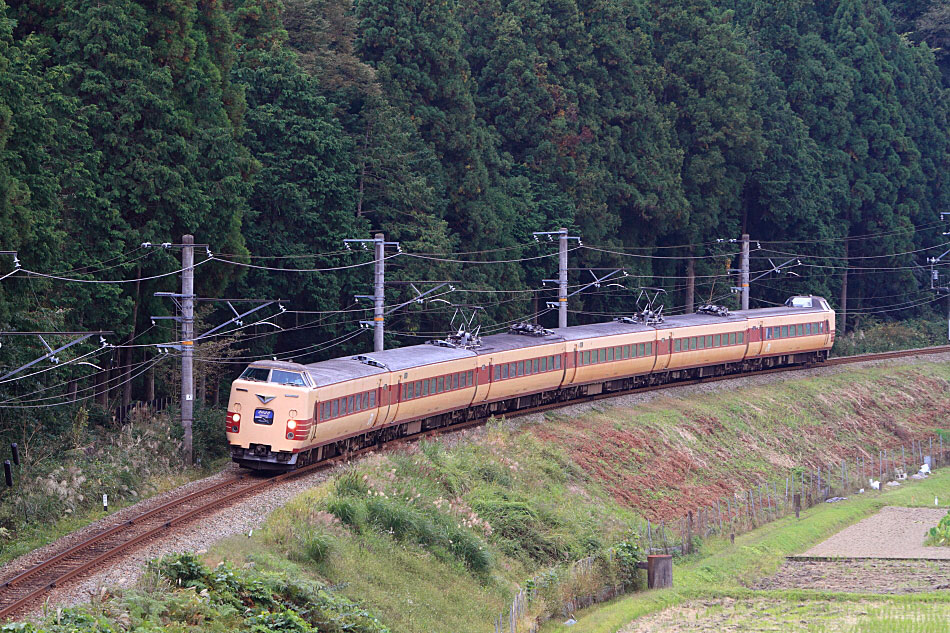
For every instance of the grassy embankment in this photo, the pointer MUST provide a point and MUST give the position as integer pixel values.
(717, 578)
(437, 537)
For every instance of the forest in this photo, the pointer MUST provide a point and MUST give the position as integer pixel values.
(657, 131)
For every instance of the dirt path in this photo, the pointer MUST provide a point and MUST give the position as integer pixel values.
(891, 533)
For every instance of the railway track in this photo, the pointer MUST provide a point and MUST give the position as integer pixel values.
(22, 590)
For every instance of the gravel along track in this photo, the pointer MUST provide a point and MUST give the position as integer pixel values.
(249, 513)
(891, 533)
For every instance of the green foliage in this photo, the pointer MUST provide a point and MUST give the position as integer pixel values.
(940, 535)
(882, 336)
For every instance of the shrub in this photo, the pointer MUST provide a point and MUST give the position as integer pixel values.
(348, 511)
(316, 545)
(940, 535)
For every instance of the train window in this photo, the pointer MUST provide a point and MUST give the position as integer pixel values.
(610, 353)
(527, 367)
(624, 351)
(692, 343)
(709, 340)
(601, 355)
(287, 378)
(321, 411)
(808, 328)
(586, 356)
(343, 408)
(557, 362)
(336, 408)
(544, 363)
(801, 329)
(425, 387)
(717, 341)
(641, 349)
(784, 331)
(768, 333)
(350, 408)
(432, 386)
(521, 368)
(504, 371)
(440, 385)
(497, 372)
(455, 381)
(676, 345)
(700, 342)
(617, 352)
(649, 349)
(740, 337)
(255, 373)
(535, 365)
(372, 398)
(470, 380)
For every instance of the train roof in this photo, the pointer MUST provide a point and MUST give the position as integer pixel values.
(345, 368)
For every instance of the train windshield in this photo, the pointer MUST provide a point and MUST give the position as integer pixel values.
(255, 373)
(288, 378)
(800, 302)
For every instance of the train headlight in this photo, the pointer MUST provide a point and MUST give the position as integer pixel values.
(236, 417)
(291, 424)
(290, 435)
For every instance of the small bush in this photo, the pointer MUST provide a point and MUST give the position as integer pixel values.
(391, 516)
(348, 511)
(940, 535)
(317, 545)
(351, 484)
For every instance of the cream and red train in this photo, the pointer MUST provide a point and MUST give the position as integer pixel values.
(284, 415)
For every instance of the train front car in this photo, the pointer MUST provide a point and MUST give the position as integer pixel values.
(270, 415)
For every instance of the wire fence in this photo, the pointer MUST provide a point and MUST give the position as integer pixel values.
(728, 516)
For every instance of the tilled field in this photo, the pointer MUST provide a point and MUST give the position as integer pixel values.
(862, 576)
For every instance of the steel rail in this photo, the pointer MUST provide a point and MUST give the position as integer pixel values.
(22, 579)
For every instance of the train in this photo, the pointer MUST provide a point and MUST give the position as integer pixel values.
(285, 415)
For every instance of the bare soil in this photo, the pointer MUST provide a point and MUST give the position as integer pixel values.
(862, 576)
(891, 533)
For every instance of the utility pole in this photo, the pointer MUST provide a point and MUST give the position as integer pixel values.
(187, 343)
(562, 278)
(744, 274)
(379, 285)
(379, 292)
(562, 295)
(935, 275)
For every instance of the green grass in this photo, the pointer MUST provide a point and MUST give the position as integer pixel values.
(721, 570)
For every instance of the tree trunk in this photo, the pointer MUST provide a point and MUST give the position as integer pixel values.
(690, 283)
(127, 377)
(844, 294)
(150, 384)
(202, 376)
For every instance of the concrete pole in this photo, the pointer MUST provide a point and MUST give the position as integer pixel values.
(187, 343)
(562, 279)
(744, 275)
(379, 294)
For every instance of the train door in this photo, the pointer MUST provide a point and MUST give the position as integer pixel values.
(664, 348)
(569, 362)
(755, 338)
(482, 378)
(389, 390)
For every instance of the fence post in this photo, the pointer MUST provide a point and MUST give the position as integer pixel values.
(798, 505)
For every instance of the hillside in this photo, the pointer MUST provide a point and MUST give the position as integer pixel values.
(436, 537)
